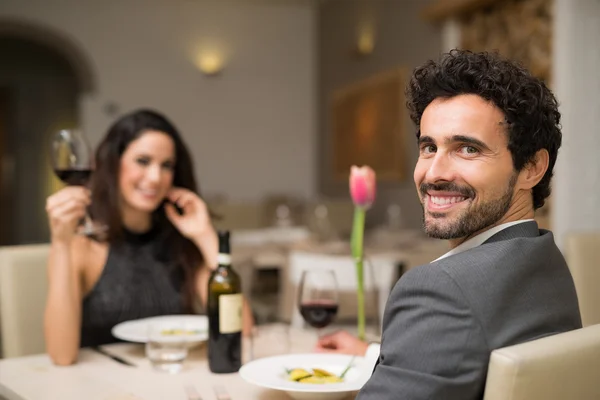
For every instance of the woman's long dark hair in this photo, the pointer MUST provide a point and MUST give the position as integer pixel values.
(106, 193)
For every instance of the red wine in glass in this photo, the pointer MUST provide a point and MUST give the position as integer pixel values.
(74, 176)
(318, 297)
(318, 314)
(72, 162)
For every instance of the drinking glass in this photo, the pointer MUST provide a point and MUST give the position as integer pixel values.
(166, 347)
(318, 298)
(73, 162)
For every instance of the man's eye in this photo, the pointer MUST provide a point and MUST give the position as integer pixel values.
(428, 149)
(469, 150)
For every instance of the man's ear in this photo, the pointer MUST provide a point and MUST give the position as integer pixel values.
(533, 172)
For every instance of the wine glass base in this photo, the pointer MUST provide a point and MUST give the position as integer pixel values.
(92, 230)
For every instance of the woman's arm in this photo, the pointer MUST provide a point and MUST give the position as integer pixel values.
(62, 317)
(247, 319)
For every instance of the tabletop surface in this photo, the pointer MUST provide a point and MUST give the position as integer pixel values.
(98, 377)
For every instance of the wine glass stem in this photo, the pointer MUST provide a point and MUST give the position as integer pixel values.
(88, 228)
(88, 221)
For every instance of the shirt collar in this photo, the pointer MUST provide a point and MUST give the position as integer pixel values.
(481, 238)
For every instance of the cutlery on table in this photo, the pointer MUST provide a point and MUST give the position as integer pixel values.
(348, 367)
(221, 393)
(112, 356)
(192, 393)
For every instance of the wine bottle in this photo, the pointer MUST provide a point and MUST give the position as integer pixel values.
(224, 313)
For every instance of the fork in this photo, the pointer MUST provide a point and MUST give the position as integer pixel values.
(221, 393)
(348, 367)
(192, 393)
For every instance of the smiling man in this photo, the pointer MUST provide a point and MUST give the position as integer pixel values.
(465, 174)
(488, 135)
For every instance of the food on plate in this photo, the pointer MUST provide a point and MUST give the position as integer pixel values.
(173, 332)
(317, 376)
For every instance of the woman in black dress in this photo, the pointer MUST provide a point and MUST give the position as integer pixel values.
(154, 258)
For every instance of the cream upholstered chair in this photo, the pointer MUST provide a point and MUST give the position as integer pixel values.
(582, 251)
(559, 367)
(23, 288)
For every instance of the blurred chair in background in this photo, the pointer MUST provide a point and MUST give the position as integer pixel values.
(23, 289)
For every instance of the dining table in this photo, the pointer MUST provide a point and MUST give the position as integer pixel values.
(98, 376)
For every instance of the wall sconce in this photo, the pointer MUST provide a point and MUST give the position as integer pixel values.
(365, 43)
(210, 64)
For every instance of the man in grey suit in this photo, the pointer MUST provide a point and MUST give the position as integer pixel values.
(488, 135)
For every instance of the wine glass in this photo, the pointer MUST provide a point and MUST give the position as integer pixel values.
(72, 161)
(318, 298)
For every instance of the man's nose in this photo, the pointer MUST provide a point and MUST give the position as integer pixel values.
(440, 169)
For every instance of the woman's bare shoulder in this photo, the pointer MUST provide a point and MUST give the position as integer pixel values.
(87, 251)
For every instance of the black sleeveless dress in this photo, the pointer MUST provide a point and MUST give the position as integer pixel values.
(137, 282)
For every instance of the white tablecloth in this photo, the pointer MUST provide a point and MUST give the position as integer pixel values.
(97, 377)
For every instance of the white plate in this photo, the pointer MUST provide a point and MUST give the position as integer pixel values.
(270, 373)
(137, 330)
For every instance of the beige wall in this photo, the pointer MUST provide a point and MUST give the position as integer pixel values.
(402, 40)
(252, 129)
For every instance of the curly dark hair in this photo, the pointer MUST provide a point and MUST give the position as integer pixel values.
(530, 108)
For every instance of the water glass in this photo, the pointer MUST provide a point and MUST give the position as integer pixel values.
(166, 347)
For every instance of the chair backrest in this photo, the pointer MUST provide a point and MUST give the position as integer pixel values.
(582, 251)
(558, 367)
(23, 289)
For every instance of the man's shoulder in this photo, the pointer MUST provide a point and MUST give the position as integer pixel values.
(503, 250)
(427, 277)
(499, 261)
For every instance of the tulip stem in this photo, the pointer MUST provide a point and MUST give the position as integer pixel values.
(357, 253)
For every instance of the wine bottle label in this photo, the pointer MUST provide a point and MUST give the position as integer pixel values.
(224, 259)
(230, 313)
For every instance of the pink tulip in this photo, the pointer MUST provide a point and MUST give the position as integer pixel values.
(362, 186)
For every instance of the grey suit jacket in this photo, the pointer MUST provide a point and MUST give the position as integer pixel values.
(443, 319)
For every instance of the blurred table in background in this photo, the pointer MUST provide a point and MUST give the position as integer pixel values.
(289, 250)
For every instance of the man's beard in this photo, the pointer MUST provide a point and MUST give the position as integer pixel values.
(471, 220)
